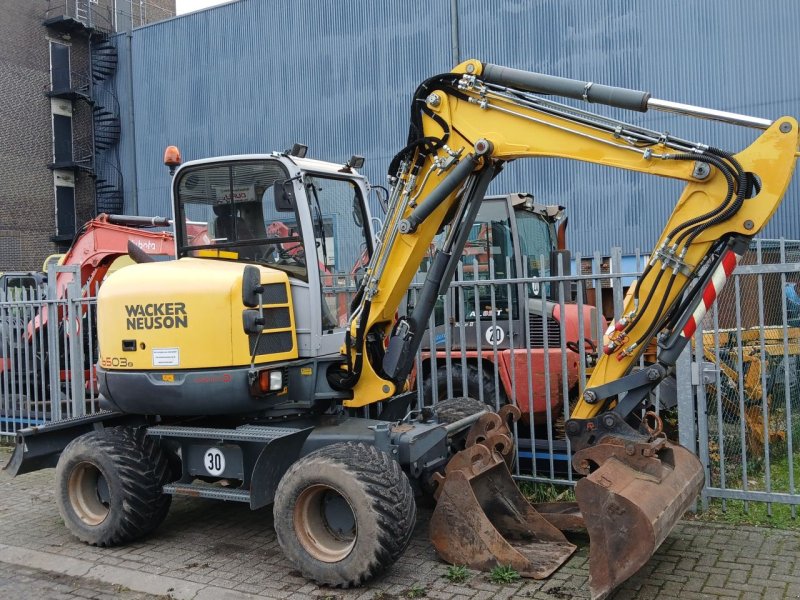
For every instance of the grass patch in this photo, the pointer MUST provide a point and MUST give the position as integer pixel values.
(415, 591)
(546, 492)
(738, 512)
(456, 574)
(503, 574)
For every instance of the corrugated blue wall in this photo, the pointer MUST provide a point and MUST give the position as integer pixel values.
(258, 75)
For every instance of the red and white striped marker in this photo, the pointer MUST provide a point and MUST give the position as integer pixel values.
(714, 287)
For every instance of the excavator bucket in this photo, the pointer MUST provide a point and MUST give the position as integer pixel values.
(631, 497)
(482, 519)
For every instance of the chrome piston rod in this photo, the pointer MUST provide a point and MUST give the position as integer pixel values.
(708, 113)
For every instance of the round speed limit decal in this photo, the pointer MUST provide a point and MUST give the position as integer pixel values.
(214, 461)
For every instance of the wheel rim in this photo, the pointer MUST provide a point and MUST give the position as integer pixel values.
(325, 523)
(88, 493)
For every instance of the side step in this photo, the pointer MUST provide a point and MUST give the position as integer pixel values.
(205, 490)
(244, 433)
(256, 456)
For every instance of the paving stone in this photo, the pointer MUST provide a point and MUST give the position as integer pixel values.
(226, 551)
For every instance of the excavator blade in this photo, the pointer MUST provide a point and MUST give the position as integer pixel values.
(482, 520)
(631, 503)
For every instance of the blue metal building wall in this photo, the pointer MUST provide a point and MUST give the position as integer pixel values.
(258, 75)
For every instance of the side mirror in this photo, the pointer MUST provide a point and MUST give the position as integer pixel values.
(251, 287)
(284, 196)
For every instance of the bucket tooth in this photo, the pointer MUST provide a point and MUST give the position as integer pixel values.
(630, 503)
(482, 519)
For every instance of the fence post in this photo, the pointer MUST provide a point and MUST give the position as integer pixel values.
(53, 361)
(616, 282)
(687, 425)
(74, 329)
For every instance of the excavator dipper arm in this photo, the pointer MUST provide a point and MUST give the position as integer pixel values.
(465, 126)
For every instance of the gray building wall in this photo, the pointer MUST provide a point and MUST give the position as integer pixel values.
(258, 75)
(27, 190)
(27, 206)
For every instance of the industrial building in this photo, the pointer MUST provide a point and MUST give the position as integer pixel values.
(258, 75)
(59, 125)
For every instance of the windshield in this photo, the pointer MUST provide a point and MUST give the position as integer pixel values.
(241, 211)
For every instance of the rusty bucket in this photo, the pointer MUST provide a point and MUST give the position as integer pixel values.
(631, 497)
(482, 520)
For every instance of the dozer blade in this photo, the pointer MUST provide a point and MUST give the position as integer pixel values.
(631, 503)
(482, 520)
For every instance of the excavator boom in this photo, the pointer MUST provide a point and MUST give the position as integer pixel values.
(465, 126)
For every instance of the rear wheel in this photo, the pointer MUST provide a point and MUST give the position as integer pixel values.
(108, 486)
(465, 383)
(344, 513)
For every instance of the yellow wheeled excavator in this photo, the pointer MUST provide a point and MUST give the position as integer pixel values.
(232, 372)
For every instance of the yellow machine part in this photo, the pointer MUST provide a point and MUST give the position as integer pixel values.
(192, 321)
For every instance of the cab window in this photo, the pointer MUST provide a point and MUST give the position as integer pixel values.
(489, 254)
(242, 211)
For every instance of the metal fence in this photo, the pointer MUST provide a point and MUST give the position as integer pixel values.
(527, 339)
(748, 416)
(46, 370)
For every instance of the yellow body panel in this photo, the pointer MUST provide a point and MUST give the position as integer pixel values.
(187, 316)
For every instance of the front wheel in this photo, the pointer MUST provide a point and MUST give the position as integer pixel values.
(344, 513)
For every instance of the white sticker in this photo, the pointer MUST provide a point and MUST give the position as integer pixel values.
(214, 462)
(166, 357)
(495, 335)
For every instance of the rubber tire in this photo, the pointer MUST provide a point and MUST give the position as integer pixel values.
(475, 379)
(380, 496)
(135, 469)
(454, 409)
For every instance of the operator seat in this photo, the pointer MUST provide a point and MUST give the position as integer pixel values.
(234, 229)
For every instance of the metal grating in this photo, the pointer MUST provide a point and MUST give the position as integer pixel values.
(277, 318)
(274, 293)
(537, 332)
(240, 434)
(271, 343)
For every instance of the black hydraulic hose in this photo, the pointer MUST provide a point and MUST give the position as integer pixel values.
(743, 185)
(686, 227)
(679, 310)
(656, 324)
(336, 379)
(447, 82)
(728, 177)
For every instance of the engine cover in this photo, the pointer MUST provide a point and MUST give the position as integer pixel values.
(164, 321)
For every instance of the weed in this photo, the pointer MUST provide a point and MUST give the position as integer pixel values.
(456, 574)
(546, 492)
(503, 574)
(415, 591)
